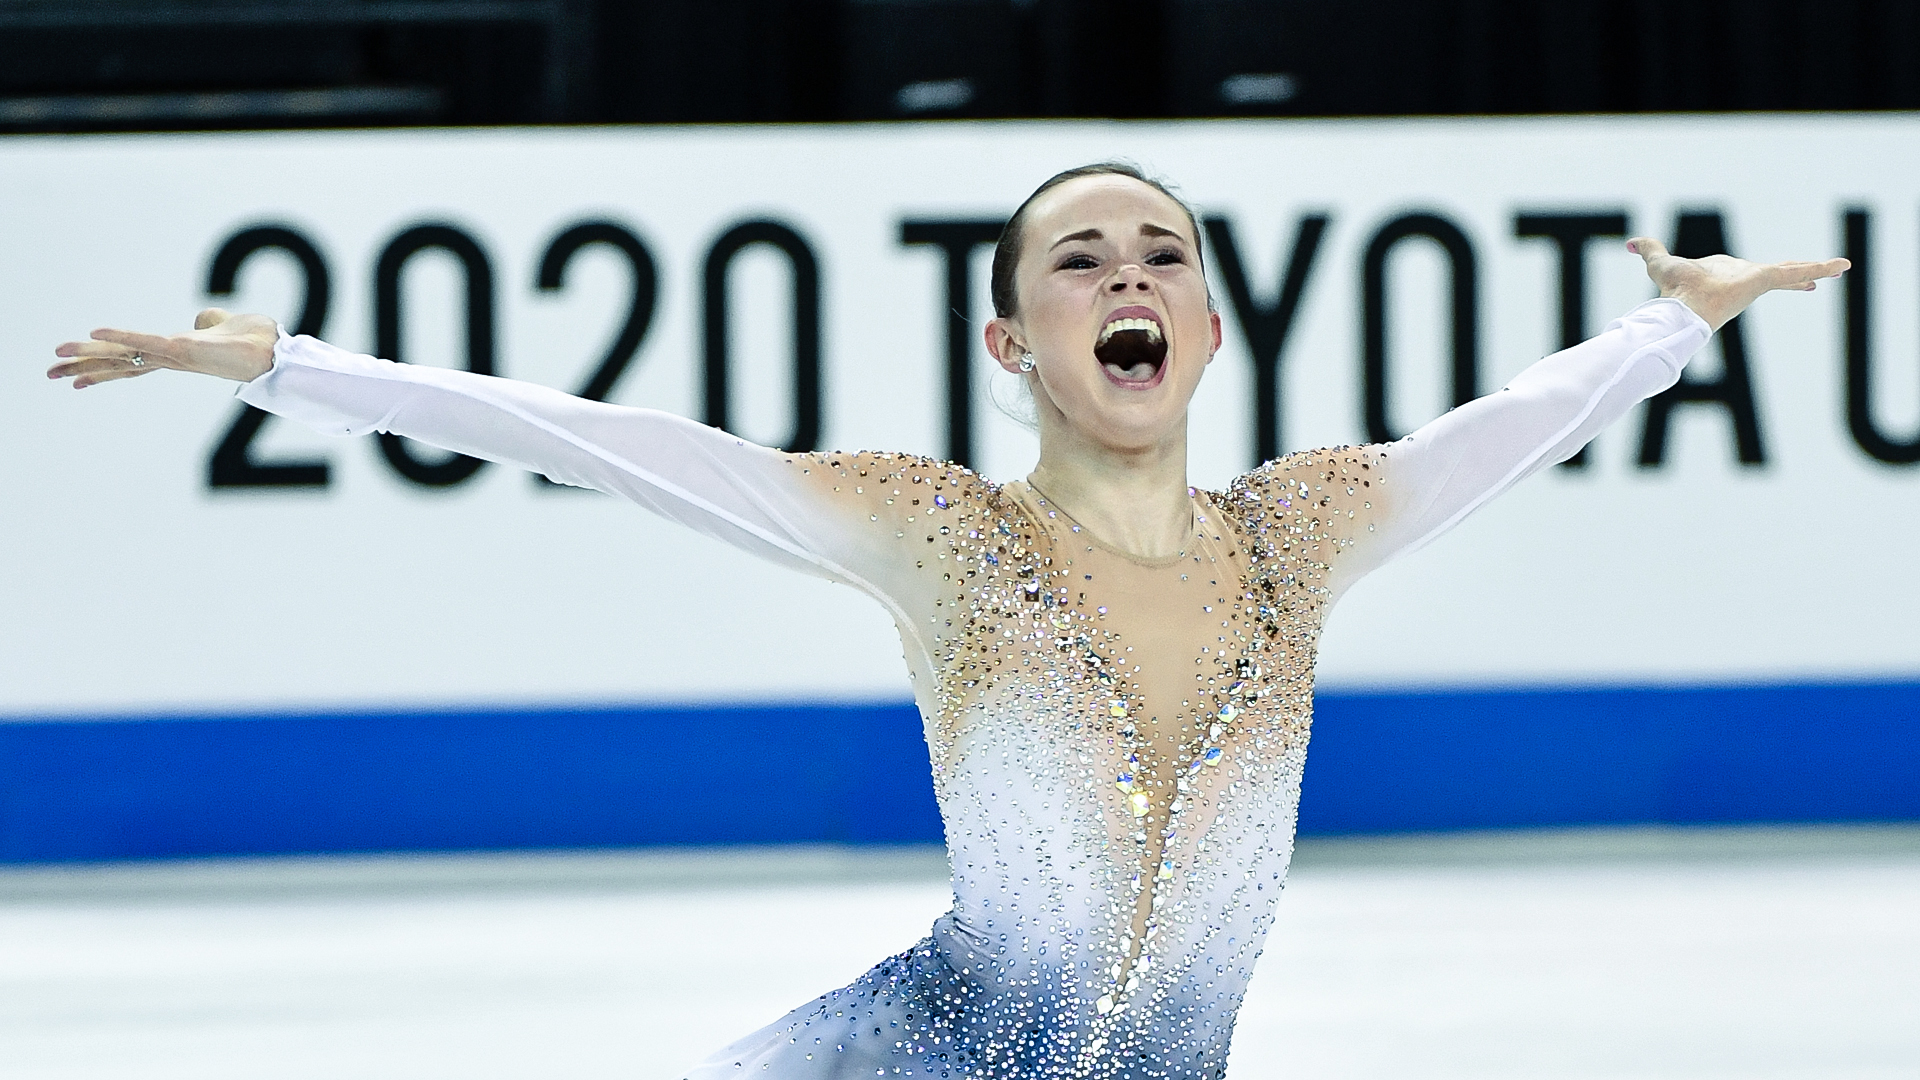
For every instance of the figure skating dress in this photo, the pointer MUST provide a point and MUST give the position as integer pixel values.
(1116, 742)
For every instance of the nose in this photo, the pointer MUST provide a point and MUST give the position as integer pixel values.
(1130, 274)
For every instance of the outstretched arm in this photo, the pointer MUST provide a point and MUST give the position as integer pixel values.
(1435, 477)
(764, 501)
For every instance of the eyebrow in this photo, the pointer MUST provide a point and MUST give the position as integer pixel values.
(1083, 234)
(1147, 228)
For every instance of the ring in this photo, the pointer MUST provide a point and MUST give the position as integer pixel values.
(137, 360)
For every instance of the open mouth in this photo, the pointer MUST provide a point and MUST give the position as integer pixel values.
(1132, 349)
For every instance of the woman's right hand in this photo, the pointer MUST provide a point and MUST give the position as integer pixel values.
(237, 347)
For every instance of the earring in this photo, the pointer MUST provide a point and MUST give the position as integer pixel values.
(1026, 361)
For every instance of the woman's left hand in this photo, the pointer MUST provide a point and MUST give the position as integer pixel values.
(1719, 287)
(237, 347)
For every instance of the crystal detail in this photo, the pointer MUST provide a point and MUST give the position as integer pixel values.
(1210, 656)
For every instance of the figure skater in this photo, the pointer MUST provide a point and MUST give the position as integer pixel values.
(1115, 669)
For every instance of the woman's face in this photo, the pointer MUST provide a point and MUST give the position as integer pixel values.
(1113, 307)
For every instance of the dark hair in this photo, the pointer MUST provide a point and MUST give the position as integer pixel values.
(1006, 253)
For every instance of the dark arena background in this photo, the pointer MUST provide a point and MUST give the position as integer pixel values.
(345, 758)
(131, 66)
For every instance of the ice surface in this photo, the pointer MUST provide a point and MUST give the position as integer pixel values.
(1758, 954)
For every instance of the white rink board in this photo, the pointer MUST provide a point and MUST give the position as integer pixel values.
(128, 585)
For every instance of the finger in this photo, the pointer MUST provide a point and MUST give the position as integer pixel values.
(90, 379)
(89, 365)
(210, 318)
(147, 344)
(95, 348)
(99, 366)
(1799, 275)
(1809, 270)
(99, 357)
(91, 348)
(1647, 248)
(77, 351)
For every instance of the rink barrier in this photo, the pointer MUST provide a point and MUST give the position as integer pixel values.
(1381, 762)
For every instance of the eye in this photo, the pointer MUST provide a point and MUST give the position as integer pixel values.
(1166, 257)
(1078, 262)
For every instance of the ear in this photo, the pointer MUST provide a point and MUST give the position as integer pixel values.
(1003, 344)
(1214, 318)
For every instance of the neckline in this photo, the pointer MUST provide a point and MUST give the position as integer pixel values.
(1150, 563)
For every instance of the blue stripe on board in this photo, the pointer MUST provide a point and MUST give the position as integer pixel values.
(463, 780)
(1396, 762)
(1381, 762)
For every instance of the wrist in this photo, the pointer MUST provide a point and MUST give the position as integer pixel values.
(254, 359)
(1713, 314)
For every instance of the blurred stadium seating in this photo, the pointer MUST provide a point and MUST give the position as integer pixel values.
(86, 65)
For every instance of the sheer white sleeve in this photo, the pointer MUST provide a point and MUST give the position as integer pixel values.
(1449, 468)
(750, 496)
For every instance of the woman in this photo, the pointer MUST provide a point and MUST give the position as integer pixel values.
(1115, 669)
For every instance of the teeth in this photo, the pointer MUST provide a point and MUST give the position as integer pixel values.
(1152, 328)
